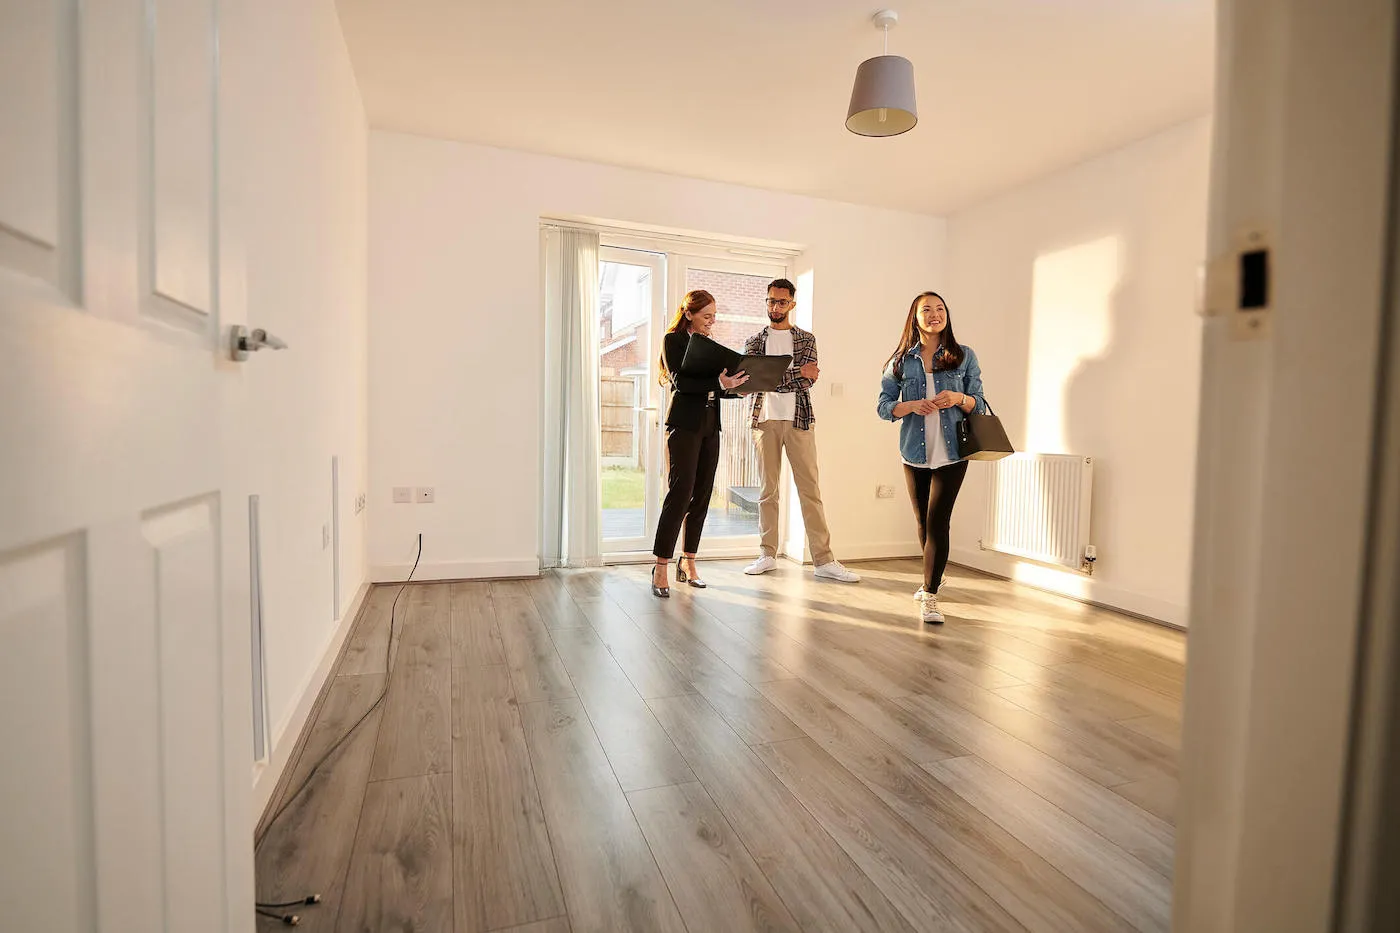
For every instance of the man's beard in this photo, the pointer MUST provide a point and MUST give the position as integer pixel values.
(777, 317)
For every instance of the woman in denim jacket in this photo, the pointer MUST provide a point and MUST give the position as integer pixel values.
(930, 384)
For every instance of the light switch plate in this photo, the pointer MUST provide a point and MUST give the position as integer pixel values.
(426, 494)
(403, 494)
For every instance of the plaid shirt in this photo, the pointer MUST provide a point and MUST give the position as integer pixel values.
(804, 351)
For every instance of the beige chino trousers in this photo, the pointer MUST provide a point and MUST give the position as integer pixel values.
(771, 438)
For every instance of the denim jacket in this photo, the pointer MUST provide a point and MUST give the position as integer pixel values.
(907, 385)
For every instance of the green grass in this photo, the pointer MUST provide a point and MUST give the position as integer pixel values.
(623, 488)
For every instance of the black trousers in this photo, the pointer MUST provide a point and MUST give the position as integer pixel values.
(932, 493)
(693, 457)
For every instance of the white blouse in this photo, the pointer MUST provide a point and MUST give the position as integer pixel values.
(935, 450)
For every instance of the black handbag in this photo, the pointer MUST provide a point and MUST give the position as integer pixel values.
(981, 437)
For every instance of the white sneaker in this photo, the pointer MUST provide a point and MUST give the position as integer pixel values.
(928, 609)
(762, 565)
(834, 571)
(919, 593)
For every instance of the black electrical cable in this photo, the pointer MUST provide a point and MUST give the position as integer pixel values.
(266, 910)
(308, 901)
(290, 920)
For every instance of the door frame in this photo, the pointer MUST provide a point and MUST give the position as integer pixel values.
(1286, 518)
(1367, 898)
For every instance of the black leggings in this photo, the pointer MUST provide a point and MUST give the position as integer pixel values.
(693, 457)
(932, 493)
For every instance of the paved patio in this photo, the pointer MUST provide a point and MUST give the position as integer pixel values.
(631, 523)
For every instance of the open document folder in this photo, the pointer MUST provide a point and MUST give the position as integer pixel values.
(706, 359)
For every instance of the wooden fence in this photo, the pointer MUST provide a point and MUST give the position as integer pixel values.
(619, 420)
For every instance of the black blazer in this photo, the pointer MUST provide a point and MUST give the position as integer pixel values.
(689, 394)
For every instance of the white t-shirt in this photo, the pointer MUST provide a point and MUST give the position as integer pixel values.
(935, 451)
(779, 406)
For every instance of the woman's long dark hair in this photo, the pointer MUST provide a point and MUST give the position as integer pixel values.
(949, 354)
(693, 303)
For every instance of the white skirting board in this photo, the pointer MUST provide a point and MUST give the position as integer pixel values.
(457, 570)
(286, 733)
(881, 551)
(869, 552)
(1084, 589)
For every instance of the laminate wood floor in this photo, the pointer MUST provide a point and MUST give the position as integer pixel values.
(771, 753)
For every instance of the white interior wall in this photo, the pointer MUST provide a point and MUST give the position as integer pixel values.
(1078, 293)
(456, 323)
(302, 196)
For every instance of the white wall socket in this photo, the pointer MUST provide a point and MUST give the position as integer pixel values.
(884, 492)
(426, 494)
(403, 494)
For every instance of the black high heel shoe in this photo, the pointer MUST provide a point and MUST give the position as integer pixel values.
(662, 591)
(683, 577)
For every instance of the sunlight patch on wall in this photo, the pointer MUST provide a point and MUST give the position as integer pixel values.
(795, 537)
(1071, 323)
(802, 315)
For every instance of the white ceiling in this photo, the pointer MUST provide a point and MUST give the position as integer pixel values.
(754, 92)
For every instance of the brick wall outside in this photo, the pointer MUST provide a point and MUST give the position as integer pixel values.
(627, 357)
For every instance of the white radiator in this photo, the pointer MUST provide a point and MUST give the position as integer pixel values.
(1038, 508)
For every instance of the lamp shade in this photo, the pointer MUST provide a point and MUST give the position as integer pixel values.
(882, 100)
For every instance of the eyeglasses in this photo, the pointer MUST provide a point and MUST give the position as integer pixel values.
(778, 302)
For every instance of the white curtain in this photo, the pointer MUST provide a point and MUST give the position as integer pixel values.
(571, 511)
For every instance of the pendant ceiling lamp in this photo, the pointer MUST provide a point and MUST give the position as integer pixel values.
(882, 100)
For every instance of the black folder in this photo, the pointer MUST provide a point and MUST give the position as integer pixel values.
(706, 359)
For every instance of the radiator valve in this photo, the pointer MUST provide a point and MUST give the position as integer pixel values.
(1091, 555)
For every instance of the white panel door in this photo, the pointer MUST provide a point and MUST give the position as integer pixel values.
(119, 723)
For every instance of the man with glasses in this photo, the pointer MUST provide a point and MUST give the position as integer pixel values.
(782, 421)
